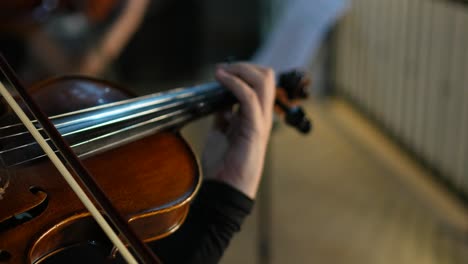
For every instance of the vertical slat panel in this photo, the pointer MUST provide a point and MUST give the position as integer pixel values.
(341, 77)
(389, 62)
(422, 81)
(415, 37)
(406, 63)
(464, 156)
(433, 73)
(399, 52)
(395, 51)
(383, 55)
(364, 39)
(359, 50)
(353, 39)
(454, 94)
(445, 90)
(375, 51)
(372, 75)
(367, 39)
(408, 76)
(462, 160)
(462, 140)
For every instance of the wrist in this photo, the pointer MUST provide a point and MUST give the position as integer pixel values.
(245, 174)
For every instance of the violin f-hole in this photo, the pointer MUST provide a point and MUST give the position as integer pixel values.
(27, 215)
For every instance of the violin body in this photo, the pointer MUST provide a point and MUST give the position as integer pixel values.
(151, 182)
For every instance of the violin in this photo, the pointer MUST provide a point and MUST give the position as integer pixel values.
(130, 145)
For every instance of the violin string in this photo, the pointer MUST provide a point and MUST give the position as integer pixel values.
(153, 99)
(103, 124)
(194, 100)
(94, 117)
(163, 126)
(156, 99)
(60, 123)
(77, 131)
(175, 117)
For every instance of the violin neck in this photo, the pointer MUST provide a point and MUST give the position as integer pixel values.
(129, 120)
(93, 130)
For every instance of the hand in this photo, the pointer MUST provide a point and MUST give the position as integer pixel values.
(235, 148)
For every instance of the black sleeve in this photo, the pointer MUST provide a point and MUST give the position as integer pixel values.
(216, 214)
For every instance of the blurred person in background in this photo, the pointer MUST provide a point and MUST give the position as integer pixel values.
(56, 37)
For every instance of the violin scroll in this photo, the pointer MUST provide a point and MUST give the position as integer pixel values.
(294, 85)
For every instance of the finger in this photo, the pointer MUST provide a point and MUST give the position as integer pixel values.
(264, 69)
(270, 88)
(261, 79)
(259, 69)
(247, 72)
(248, 99)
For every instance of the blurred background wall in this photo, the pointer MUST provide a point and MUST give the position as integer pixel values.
(404, 63)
